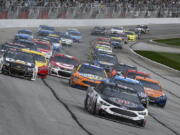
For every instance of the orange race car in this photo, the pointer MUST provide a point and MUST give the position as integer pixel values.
(86, 75)
(154, 91)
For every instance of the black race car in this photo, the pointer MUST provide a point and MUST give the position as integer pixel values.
(99, 31)
(18, 63)
(123, 68)
(28, 44)
(115, 101)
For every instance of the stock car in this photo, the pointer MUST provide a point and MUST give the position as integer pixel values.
(40, 61)
(138, 33)
(120, 36)
(105, 60)
(28, 44)
(18, 63)
(22, 36)
(44, 47)
(8, 45)
(98, 31)
(117, 30)
(26, 32)
(86, 75)
(45, 27)
(113, 101)
(123, 68)
(56, 43)
(132, 36)
(103, 48)
(116, 42)
(154, 91)
(133, 73)
(104, 39)
(62, 65)
(142, 28)
(66, 40)
(131, 83)
(74, 34)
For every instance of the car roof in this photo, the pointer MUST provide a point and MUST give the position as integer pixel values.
(126, 79)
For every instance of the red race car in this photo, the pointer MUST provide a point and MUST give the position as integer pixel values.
(44, 47)
(62, 65)
(133, 73)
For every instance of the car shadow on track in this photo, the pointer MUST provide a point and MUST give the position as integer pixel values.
(116, 120)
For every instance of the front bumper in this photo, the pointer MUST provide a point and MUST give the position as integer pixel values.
(82, 81)
(64, 73)
(112, 110)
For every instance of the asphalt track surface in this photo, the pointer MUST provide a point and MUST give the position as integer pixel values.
(51, 107)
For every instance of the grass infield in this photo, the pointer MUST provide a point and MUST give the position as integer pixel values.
(170, 59)
(172, 41)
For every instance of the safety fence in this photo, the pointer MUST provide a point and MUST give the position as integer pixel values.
(89, 11)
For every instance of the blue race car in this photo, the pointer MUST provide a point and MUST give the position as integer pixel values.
(75, 35)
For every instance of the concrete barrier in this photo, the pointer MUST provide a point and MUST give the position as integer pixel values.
(10, 23)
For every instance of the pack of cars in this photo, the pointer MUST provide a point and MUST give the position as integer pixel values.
(114, 89)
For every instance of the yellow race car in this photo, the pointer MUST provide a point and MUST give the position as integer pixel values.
(40, 61)
(132, 36)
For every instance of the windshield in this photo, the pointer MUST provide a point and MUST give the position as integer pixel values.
(138, 87)
(151, 85)
(26, 32)
(39, 58)
(117, 92)
(26, 57)
(92, 70)
(54, 40)
(47, 28)
(74, 33)
(66, 60)
(107, 58)
(28, 45)
(42, 46)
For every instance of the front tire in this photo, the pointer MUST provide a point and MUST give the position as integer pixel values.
(141, 123)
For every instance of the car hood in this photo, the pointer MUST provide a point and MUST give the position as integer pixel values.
(91, 76)
(40, 64)
(19, 62)
(124, 103)
(64, 65)
(153, 93)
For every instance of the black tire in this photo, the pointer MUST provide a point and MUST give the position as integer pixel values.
(85, 103)
(141, 123)
(70, 83)
(162, 105)
(94, 112)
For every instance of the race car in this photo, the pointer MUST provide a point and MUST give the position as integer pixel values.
(117, 30)
(133, 73)
(22, 36)
(138, 33)
(56, 43)
(44, 47)
(131, 83)
(26, 32)
(45, 27)
(86, 75)
(132, 36)
(98, 31)
(113, 101)
(94, 43)
(119, 36)
(105, 60)
(40, 61)
(104, 39)
(75, 35)
(154, 91)
(123, 68)
(18, 63)
(62, 65)
(103, 48)
(28, 44)
(66, 40)
(142, 28)
(117, 43)
(8, 45)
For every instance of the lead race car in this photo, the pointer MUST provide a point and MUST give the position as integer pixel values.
(18, 63)
(108, 99)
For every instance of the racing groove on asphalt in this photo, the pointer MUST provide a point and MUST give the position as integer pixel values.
(73, 99)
